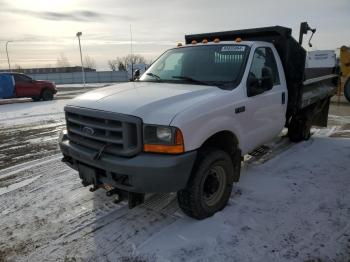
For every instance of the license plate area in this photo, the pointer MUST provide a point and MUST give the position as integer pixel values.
(88, 175)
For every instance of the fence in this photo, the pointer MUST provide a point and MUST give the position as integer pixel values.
(90, 77)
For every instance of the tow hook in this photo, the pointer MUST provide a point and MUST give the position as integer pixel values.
(111, 192)
(94, 188)
(118, 196)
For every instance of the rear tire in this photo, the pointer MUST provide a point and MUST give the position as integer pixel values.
(47, 95)
(347, 90)
(299, 130)
(210, 185)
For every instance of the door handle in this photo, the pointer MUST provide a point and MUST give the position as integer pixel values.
(239, 109)
(283, 98)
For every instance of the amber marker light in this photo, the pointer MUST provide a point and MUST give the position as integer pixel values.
(177, 148)
(194, 42)
(238, 40)
(216, 40)
(205, 41)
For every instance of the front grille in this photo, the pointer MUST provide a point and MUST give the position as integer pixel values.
(118, 134)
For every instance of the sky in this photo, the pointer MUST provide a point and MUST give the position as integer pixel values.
(43, 30)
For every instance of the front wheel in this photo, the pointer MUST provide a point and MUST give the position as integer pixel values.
(47, 95)
(210, 185)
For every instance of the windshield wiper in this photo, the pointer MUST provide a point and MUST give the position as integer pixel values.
(155, 76)
(191, 80)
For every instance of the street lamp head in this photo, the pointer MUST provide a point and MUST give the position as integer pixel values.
(79, 34)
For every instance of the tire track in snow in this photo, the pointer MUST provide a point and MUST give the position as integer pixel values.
(55, 218)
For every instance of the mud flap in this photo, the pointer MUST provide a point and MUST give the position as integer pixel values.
(88, 175)
(320, 117)
(236, 161)
(135, 199)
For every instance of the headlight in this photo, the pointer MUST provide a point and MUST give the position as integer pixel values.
(158, 134)
(164, 134)
(163, 139)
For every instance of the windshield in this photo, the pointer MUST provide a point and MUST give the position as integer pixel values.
(218, 65)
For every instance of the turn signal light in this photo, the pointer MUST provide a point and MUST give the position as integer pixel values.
(238, 39)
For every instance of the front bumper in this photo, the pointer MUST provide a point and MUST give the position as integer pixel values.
(144, 173)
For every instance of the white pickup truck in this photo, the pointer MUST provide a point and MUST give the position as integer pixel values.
(185, 124)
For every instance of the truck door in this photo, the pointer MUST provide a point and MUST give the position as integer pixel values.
(265, 111)
(25, 86)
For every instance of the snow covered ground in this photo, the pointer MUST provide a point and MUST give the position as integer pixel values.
(292, 203)
(27, 113)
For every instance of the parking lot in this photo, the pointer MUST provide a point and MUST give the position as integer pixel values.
(292, 203)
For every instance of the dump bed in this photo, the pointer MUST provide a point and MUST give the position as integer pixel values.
(300, 92)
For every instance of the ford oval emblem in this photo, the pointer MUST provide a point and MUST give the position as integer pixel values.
(88, 130)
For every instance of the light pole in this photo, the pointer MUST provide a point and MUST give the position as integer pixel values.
(81, 58)
(132, 59)
(7, 53)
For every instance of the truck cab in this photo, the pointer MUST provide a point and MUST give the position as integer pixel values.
(186, 123)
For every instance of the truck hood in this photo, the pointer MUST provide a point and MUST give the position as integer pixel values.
(155, 103)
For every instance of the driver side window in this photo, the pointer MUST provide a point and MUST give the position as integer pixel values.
(263, 65)
(22, 78)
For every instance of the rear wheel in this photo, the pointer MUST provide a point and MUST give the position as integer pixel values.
(47, 94)
(347, 90)
(210, 185)
(299, 130)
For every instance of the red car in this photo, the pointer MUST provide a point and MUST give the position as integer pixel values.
(36, 89)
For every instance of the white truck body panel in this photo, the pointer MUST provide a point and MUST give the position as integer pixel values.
(154, 103)
(263, 120)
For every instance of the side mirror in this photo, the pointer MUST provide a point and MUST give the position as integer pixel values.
(137, 74)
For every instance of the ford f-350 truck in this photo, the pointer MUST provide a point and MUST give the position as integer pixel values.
(186, 123)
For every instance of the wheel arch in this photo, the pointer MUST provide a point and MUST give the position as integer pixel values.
(225, 140)
(228, 142)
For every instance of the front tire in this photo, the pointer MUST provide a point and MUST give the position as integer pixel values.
(47, 95)
(210, 185)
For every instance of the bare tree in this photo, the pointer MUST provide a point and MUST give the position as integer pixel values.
(62, 61)
(121, 66)
(121, 63)
(90, 62)
(113, 64)
(134, 59)
(117, 64)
